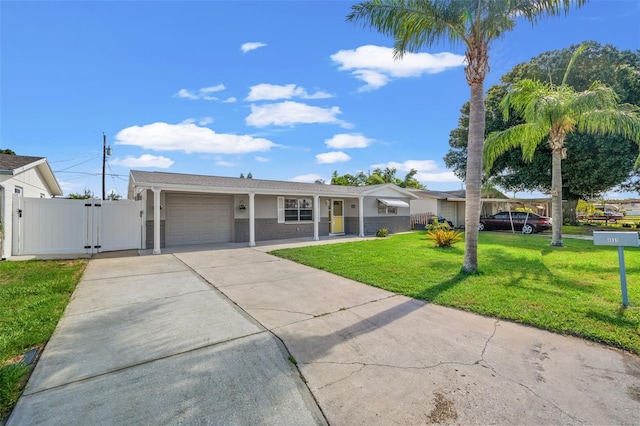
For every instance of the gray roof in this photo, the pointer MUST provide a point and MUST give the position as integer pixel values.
(166, 180)
(9, 163)
(441, 195)
(12, 165)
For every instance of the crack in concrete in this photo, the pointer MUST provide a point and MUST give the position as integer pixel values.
(324, 314)
(522, 385)
(363, 365)
(285, 310)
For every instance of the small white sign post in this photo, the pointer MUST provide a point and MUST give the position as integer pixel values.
(621, 240)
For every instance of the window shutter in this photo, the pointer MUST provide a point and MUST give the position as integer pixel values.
(280, 209)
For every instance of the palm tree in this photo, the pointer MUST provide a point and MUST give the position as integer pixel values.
(415, 24)
(549, 113)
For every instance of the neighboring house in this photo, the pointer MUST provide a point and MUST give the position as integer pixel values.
(27, 176)
(451, 205)
(197, 209)
(629, 207)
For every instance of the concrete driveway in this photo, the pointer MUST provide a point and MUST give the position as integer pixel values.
(148, 340)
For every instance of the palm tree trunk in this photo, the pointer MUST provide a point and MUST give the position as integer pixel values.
(474, 176)
(556, 197)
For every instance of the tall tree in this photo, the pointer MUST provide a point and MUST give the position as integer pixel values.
(415, 24)
(595, 164)
(84, 196)
(378, 177)
(550, 113)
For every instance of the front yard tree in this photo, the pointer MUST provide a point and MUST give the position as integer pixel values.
(551, 112)
(475, 24)
(595, 164)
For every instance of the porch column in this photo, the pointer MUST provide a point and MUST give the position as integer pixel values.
(361, 215)
(156, 220)
(316, 217)
(252, 219)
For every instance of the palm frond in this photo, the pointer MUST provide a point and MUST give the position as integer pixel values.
(527, 136)
(597, 96)
(413, 24)
(623, 121)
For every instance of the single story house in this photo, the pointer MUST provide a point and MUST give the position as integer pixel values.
(27, 176)
(184, 209)
(451, 205)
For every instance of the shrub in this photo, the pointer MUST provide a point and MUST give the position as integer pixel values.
(435, 224)
(444, 237)
(382, 232)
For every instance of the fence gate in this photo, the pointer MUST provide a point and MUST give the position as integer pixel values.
(64, 226)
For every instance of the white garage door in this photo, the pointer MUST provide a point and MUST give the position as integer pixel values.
(197, 219)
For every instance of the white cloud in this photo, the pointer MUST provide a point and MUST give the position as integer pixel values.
(272, 92)
(189, 137)
(145, 160)
(201, 121)
(289, 113)
(229, 100)
(348, 140)
(223, 163)
(212, 89)
(332, 157)
(437, 177)
(406, 166)
(376, 67)
(202, 93)
(309, 178)
(428, 170)
(247, 47)
(184, 93)
(260, 159)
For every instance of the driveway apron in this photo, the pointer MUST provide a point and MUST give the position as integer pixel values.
(373, 357)
(145, 340)
(156, 340)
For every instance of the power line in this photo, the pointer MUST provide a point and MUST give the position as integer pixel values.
(75, 165)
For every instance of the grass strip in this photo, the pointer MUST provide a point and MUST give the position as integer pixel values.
(33, 296)
(573, 289)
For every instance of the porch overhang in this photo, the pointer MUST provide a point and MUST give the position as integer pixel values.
(390, 202)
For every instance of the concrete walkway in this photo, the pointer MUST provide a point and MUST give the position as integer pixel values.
(147, 340)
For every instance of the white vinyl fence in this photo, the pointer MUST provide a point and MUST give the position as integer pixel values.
(63, 226)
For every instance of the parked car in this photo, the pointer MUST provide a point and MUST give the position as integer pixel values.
(528, 223)
(608, 216)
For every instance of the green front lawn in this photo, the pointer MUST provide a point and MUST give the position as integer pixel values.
(573, 289)
(33, 296)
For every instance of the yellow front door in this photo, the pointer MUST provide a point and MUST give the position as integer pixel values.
(337, 217)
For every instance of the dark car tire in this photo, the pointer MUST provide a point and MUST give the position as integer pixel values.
(528, 229)
(481, 226)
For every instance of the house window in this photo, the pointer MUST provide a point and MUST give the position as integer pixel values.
(17, 190)
(298, 209)
(384, 209)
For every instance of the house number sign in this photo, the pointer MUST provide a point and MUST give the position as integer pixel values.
(621, 240)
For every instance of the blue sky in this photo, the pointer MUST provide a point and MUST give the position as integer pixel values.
(285, 90)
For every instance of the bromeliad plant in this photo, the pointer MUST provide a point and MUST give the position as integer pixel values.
(441, 234)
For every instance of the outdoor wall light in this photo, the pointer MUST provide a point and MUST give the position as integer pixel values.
(242, 207)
